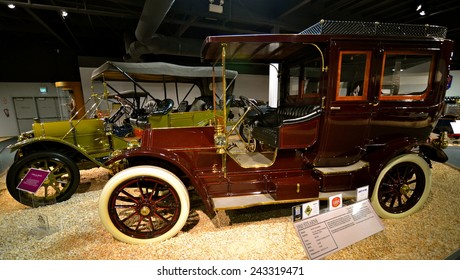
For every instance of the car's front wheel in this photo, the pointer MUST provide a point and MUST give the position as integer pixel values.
(402, 187)
(61, 183)
(144, 204)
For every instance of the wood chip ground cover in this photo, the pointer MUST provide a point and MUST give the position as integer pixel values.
(259, 233)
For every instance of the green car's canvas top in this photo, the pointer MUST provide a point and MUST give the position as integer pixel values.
(156, 72)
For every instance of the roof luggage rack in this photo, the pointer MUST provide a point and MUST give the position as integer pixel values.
(332, 27)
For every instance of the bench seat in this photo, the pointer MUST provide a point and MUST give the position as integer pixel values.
(289, 127)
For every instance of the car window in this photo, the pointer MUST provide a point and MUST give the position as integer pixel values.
(294, 81)
(304, 80)
(353, 75)
(405, 76)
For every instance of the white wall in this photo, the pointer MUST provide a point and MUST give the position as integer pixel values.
(8, 121)
(254, 86)
(454, 89)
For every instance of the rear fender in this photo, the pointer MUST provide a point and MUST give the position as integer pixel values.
(434, 153)
(379, 156)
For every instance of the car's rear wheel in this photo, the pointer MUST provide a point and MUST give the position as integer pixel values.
(62, 181)
(402, 187)
(144, 204)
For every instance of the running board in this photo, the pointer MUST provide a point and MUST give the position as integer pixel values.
(246, 201)
(343, 169)
(346, 195)
(342, 177)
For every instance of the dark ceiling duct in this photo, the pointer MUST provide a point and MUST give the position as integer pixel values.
(164, 45)
(149, 42)
(152, 15)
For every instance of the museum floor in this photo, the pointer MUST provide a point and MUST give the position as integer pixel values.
(259, 233)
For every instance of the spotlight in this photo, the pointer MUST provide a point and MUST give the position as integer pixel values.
(64, 13)
(11, 6)
(421, 9)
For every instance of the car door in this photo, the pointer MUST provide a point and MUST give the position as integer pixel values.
(348, 107)
(405, 104)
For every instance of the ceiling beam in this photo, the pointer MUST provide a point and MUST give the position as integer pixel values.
(211, 26)
(293, 9)
(254, 20)
(183, 27)
(39, 20)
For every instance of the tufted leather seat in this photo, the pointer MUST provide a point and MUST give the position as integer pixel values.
(268, 128)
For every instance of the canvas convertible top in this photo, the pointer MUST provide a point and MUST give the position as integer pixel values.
(155, 72)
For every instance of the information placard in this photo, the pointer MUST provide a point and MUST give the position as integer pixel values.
(33, 180)
(362, 193)
(331, 231)
(306, 210)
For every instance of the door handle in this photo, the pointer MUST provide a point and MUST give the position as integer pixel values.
(335, 108)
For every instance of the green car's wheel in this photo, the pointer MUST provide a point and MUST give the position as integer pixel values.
(60, 185)
(144, 204)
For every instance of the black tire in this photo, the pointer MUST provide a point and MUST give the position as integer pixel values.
(61, 184)
(402, 187)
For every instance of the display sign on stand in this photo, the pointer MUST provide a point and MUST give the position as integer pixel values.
(455, 126)
(331, 231)
(306, 210)
(335, 202)
(30, 185)
(41, 227)
(362, 193)
(33, 180)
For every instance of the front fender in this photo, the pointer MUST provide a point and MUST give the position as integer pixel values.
(51, 143)
(36, 140)
(177, 162)
(140, 154)
(126, 158)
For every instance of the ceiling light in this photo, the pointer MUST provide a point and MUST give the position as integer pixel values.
(64, 13)
(421, 9)
(216, 8)
(11, 6)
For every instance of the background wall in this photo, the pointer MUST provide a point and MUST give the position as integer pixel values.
(254, 86)
(8, 91)
(454, 89)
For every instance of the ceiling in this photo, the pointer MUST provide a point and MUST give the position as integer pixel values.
(168, 30)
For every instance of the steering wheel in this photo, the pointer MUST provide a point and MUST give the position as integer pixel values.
(250, 103)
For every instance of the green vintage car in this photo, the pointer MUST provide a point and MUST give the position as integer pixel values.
(134, 96)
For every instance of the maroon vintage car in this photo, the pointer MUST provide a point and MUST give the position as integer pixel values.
(357, 103)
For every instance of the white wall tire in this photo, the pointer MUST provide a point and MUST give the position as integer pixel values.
(402, 187)
(152, 213)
